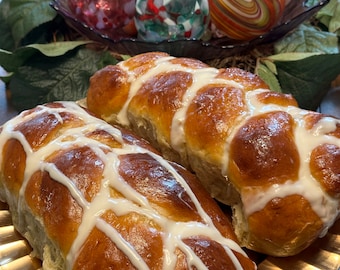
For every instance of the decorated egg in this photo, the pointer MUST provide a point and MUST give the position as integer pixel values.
(171, 19)
(112, 18)
(244, 19)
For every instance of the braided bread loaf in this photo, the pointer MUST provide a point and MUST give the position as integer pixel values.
(277, 165)
(88, 195)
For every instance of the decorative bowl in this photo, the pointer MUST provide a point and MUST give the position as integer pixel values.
(295, 13)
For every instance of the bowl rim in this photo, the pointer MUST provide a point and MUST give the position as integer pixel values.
(290, 20)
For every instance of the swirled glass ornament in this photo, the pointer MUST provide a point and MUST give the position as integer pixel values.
(171, 19)
(244, 19)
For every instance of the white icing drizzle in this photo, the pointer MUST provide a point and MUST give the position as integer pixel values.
(58, 176)
(133, 202)
(122, 244)
(306, 140)
(201, 77)
(325, 206)
(162, 65)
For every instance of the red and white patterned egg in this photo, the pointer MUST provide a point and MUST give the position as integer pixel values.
(112, 18)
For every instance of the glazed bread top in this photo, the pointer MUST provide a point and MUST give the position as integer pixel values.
(282, 161)
(105, 198)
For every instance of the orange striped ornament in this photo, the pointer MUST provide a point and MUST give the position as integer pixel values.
(245, 19)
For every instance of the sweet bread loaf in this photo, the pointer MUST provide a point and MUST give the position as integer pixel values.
(277, 165)
(88, 195)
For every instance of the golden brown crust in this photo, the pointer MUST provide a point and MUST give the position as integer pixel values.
(313, 118)
(248, 80)
(211, 135)
(277, 98)
(52, 202)
(187, 62)
(111, 87)
(210, 249)
(66, 170)
(325, 167)
(143, 62)
(151, 98)
(252, 148)
(12, 170)
(263, 152)
(136, 229)
(160, 188)
(294, 222)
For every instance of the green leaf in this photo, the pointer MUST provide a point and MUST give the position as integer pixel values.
(308, 79)
(57, 48)
(44, 79)
(6, 40)
(307, 76)
(11, 61)
(308, 39)
(25, 15)
(290, 56)
(265, 71)
(6, 78)
(330, 16)
(41, 34)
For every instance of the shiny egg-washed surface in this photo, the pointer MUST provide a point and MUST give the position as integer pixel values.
(88, 194)
(252, 148)
(323, 254)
